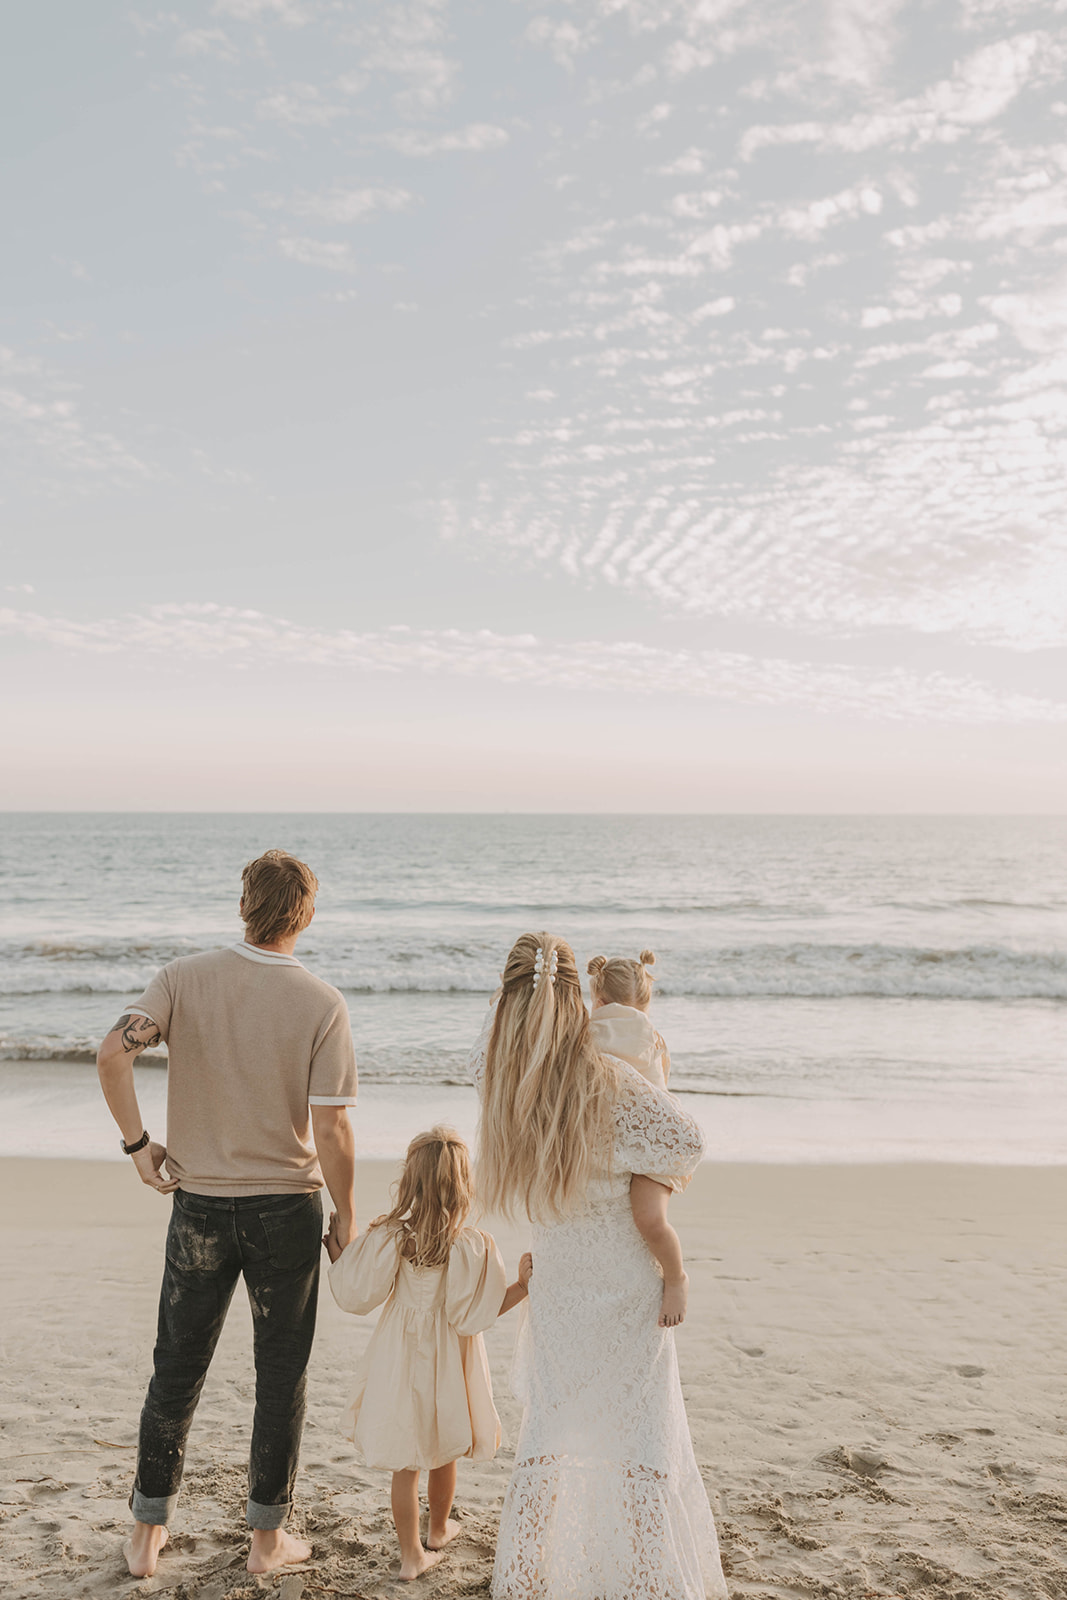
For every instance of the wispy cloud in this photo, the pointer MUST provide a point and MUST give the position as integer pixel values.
(344, 204)
(61, 444)
(475, 136)
(980, 88)
(818, 393)
(292, 13)
(795, 361)
(334, 255)
(301, 105)
(50, 438)
(245, 638)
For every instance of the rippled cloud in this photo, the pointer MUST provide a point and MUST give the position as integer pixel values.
(782, 344)
(805, 369)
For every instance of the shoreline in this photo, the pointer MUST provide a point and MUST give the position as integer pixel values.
(55, 1111)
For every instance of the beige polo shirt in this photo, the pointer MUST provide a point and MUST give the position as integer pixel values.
(253, 1039)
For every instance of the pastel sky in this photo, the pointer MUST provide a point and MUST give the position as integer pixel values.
(610, 405)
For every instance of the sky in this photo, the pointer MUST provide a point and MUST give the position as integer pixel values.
(618, 405)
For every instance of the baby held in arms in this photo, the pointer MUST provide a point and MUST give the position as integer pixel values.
(621, 992)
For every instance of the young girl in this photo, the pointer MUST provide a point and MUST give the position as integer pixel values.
(621, 992)
(423, 1395)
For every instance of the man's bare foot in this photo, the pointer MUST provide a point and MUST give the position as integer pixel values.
(418, 1564)
(273, 1548)
(142, 1548)
(675, 1302)
(437, 1541)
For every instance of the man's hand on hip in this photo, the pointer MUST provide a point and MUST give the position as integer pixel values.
(149, 1163)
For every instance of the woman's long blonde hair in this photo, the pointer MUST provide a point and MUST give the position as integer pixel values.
(547, 1094)
(434, 1197)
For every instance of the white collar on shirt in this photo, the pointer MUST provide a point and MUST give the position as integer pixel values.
(270, 958)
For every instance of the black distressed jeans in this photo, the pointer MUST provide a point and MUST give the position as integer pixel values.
(275, 1240)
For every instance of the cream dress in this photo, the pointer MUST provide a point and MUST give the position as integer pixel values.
(626, 1033)
(423, 1396)
(606, 1501)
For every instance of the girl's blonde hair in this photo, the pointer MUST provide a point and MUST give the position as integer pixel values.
(622, 982)
(434, 1196)
(548, 1094)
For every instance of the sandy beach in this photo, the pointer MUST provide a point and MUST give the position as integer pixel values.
(873, 1366)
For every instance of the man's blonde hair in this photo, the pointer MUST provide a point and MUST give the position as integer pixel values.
(278, 898)
(622, 982)
(548, 1094)
(433, 1197)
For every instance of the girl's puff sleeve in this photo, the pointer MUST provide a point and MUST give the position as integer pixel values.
(476, 1284)
(365, 1271)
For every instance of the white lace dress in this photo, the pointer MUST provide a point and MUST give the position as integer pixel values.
(606, 1501)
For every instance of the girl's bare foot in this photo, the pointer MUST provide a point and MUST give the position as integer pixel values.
(273, 1548)
(436, 1541)
(675, 1302)
(418, 1564)
(142, 1548)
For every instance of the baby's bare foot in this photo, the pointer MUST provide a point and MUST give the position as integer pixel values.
(273, 1548)
(675, 1302)
(417, 1565)
(142, 1548)
(435, 1540)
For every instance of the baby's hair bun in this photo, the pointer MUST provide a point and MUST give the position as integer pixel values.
(596, 966)
(647, 958)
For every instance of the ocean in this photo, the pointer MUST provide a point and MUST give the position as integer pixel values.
(831, 988)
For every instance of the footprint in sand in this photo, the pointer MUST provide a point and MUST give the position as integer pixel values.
(868, 1463)
(967, 1371)
(1010, 1471)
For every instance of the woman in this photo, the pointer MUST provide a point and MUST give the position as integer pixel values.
(605, 1501)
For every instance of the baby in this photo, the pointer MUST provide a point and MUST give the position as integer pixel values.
(621, 992)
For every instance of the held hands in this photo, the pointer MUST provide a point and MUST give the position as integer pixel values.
(337, 1236)
(149, 1163)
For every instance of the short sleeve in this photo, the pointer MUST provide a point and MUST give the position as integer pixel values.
(663, 1056)
(476, 1059)
(333, 1080)
(653, 1135)
(365, 1271)
(476, 1283)
(157, 1002)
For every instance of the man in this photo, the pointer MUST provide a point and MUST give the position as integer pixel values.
(254, 1040)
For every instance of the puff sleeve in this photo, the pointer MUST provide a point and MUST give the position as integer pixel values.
(653, 1135)
(476, 1059)
(364, 1273)
(476, 1283)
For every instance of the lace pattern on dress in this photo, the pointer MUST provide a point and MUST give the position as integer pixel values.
(605, 1531)
(606, 1501)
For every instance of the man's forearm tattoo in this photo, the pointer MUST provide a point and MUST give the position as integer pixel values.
(138, 1033)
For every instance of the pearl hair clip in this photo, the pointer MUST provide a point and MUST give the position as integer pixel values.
(540, 967)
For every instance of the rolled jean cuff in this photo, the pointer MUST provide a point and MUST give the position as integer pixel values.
(154, 1509)
(268, 1517)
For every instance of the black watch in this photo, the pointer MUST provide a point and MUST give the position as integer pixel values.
(138, 1144)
